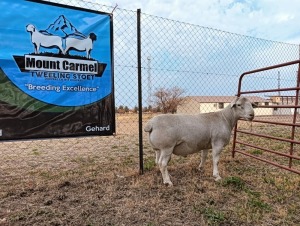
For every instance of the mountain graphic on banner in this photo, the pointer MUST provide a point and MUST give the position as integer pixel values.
(64, 28)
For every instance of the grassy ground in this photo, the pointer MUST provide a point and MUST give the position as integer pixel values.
(95, 181)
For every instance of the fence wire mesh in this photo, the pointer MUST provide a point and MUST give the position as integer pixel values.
(199, 61)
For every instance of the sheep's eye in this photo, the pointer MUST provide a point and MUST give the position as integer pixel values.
(240, 106)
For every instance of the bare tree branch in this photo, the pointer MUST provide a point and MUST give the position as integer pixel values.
(168, 99)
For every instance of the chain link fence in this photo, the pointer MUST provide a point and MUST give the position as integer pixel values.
(200, 61)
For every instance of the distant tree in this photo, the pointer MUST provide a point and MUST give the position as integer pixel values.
(126, 109)
(121, 109)
(135, 109)
(157, 109)
(167, 100)
(145, 109)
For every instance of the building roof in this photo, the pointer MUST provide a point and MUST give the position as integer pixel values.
(223, 99)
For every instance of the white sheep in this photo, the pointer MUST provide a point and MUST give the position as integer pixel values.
(81, 44)
(187, 134)
(39, 39)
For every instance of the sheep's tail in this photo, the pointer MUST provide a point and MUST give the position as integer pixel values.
(148, 127)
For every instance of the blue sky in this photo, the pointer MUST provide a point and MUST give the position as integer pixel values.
(276, 20)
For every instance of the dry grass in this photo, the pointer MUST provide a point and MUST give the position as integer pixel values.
(95, 181)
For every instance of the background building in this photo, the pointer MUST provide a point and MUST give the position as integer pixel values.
(204, 104)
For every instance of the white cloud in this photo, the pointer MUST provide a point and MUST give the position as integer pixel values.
(267, 19)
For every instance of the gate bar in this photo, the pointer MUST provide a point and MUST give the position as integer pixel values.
(270, 90)
(270, 137)
(276, 123)
(268, 150)
(280, 106)
(264, 69)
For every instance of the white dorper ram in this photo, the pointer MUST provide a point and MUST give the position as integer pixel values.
(81, 44)
(187, 134)
(39, 39)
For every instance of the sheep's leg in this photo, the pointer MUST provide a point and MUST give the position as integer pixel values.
(203, 159)
(157, 152)
(61, 50)
(88, 53)
(36, 48)
(66, 51)
(216, 156)
(165, 156)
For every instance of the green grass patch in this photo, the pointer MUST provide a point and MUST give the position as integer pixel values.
(257, 203)
(36, 152)
(269, 180)
(256, 152)
(235, 182)
(149, 164)
(214, 217)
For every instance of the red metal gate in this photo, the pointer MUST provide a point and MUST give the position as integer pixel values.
(273, 137)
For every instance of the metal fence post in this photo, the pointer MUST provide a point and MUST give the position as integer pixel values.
(140, 105)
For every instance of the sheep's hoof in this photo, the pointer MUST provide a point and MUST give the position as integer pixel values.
(217, 178)
(168, 184)
(201, 169)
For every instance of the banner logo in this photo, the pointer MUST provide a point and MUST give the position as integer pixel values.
(64, 37)
(61, 55)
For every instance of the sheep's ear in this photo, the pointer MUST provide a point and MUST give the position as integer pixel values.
(254, 105)
(233, 103)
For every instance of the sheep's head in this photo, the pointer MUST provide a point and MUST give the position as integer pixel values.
(243, 108)
(93, 37)
(30, 28)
